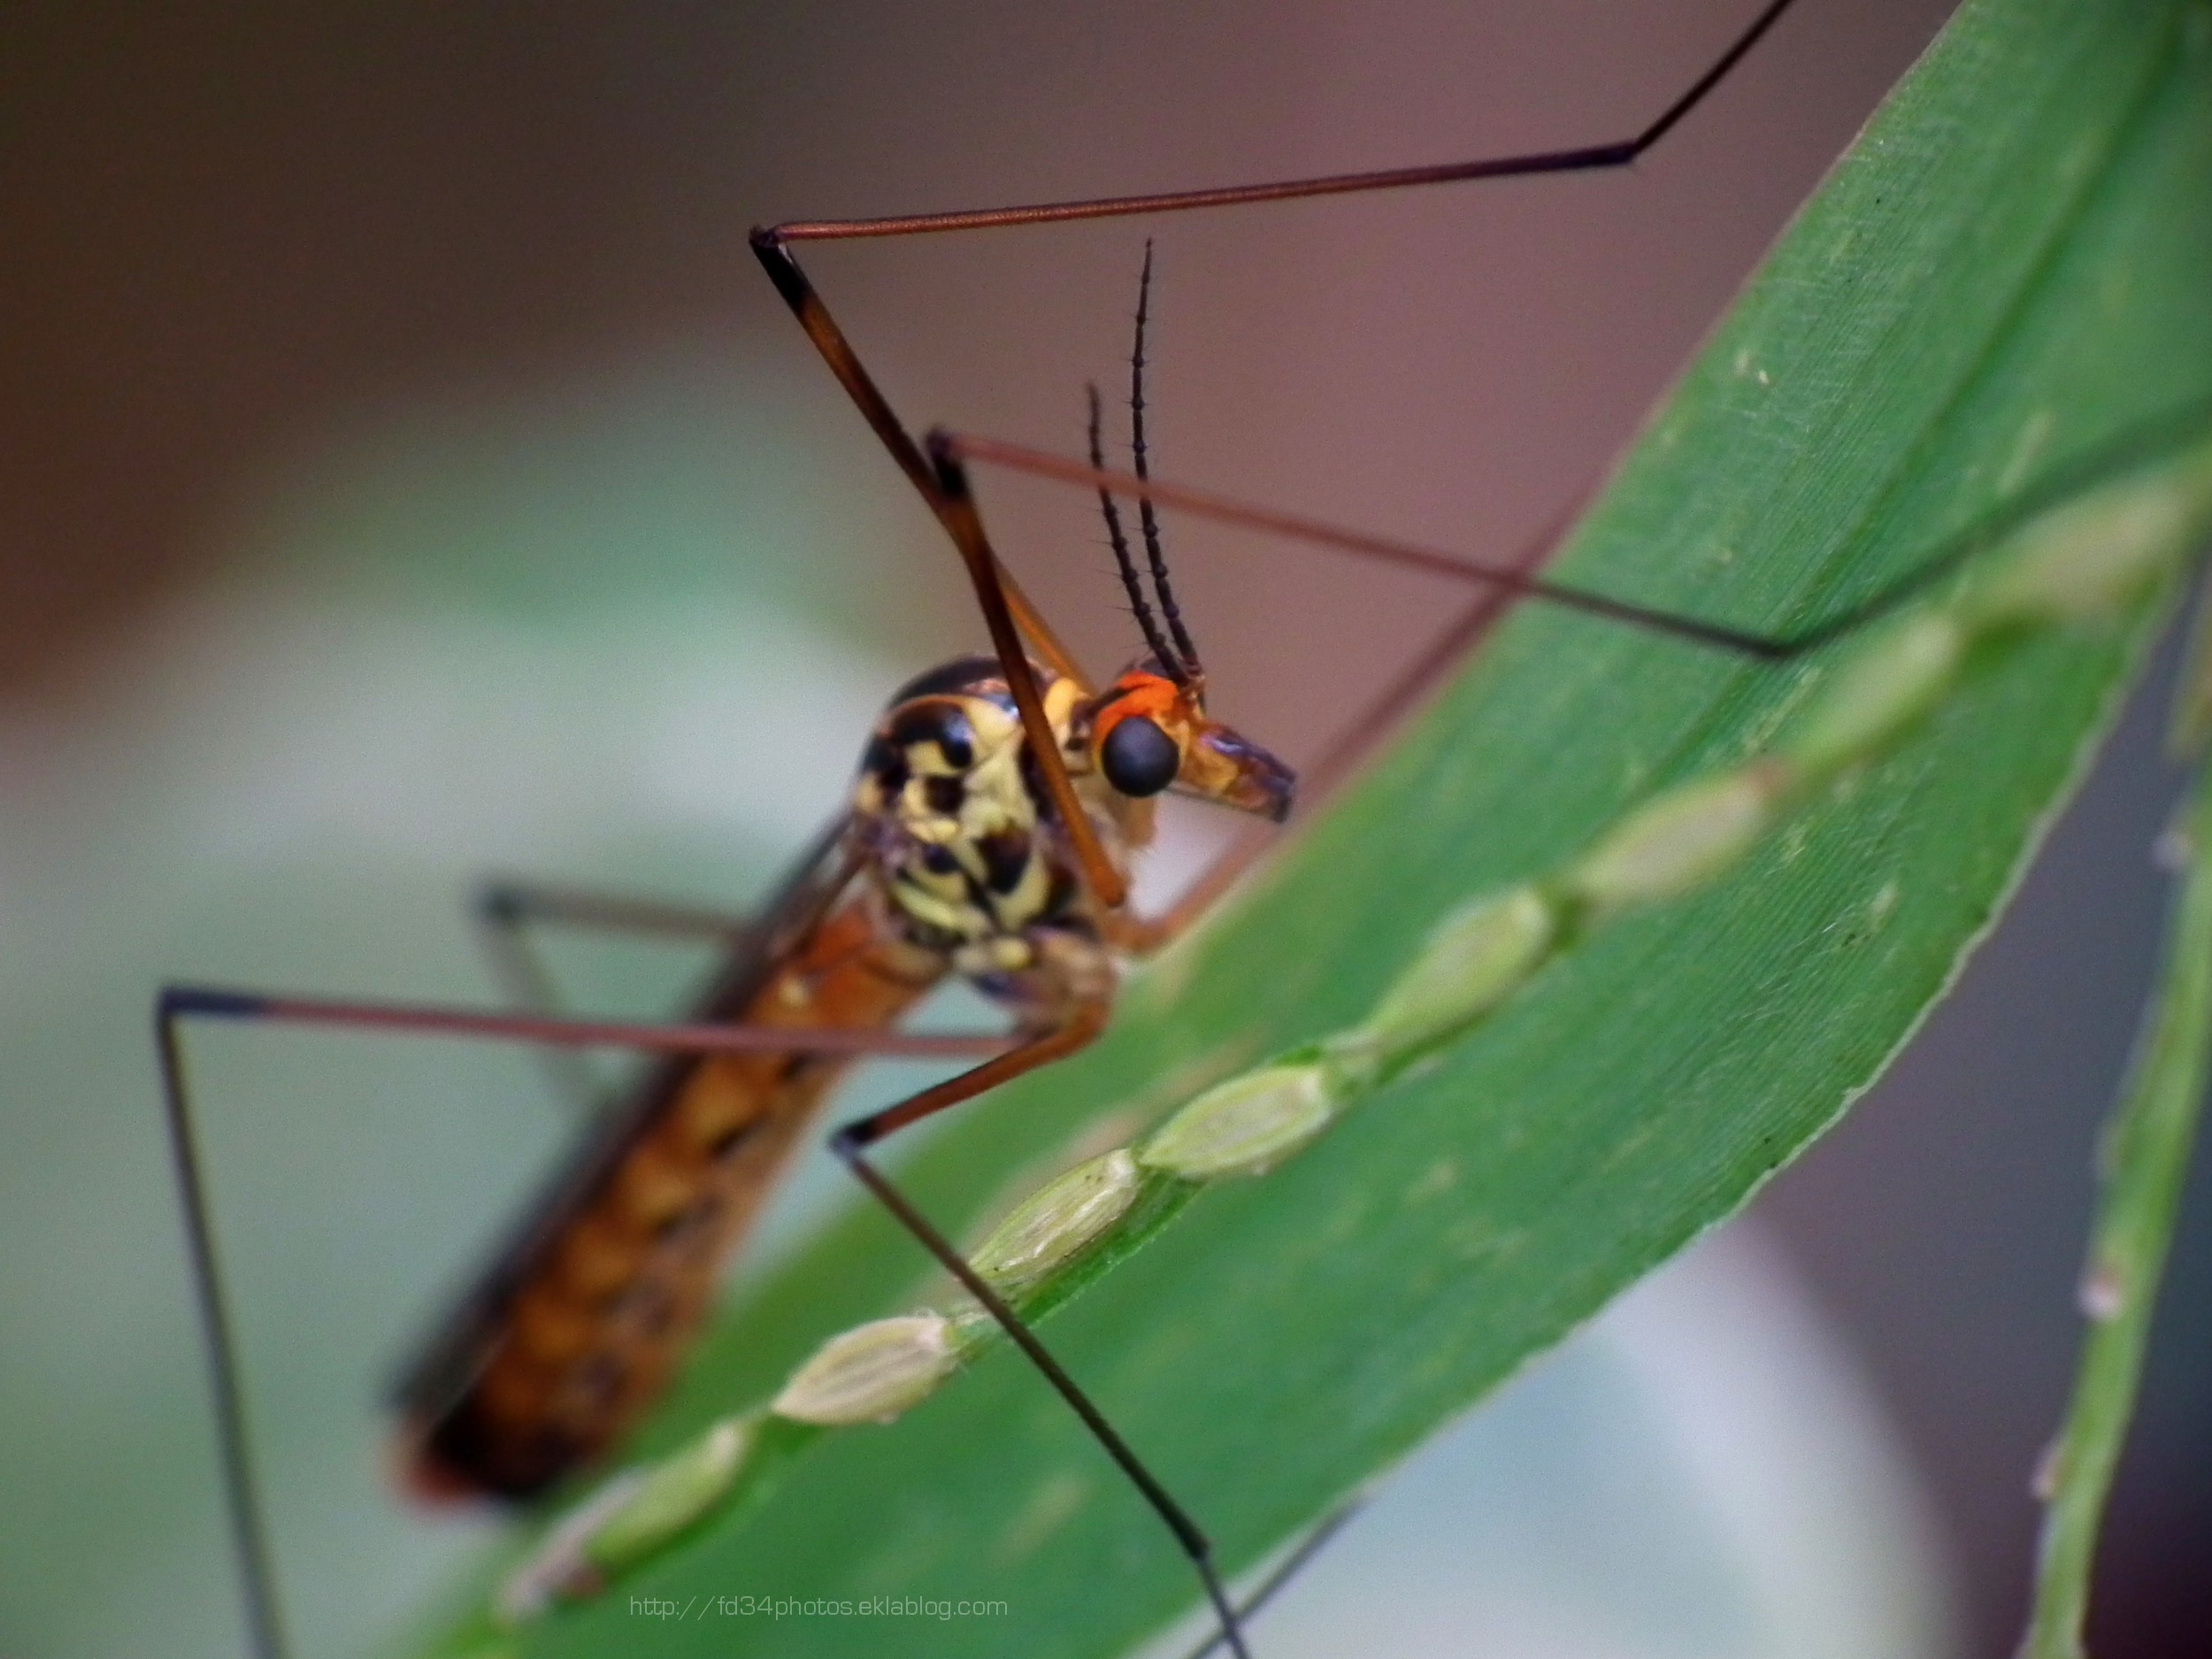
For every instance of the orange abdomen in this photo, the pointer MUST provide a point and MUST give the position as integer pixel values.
(578, 1326)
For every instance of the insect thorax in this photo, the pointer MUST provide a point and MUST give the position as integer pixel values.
(962, 838)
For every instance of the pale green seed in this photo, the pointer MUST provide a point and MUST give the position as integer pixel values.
(1898, 678)
(1681, 840)
(1057, 1221)
(673, 1493)
(1473, 962)
(557, 1570)
(1244, 1127)
(2092, 555)
(871, 1372)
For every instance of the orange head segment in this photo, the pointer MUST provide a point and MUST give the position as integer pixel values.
(1150, 732)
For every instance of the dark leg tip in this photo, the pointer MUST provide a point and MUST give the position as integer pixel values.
(499, 902)
(177, 1000)
(782, 269)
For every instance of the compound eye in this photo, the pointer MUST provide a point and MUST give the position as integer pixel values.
(1138, 758)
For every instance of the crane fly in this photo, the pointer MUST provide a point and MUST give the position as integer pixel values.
(956, 857)
(998, 805)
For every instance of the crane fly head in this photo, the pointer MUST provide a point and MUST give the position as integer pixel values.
(1149, 732)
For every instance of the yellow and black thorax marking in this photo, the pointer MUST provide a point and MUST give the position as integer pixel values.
(957, 822)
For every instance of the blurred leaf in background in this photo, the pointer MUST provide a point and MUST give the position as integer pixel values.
(560, 632)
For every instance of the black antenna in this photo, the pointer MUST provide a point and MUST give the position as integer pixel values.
(1187, 652)
(1128, 566)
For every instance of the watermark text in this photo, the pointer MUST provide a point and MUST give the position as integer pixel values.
(699, 1608)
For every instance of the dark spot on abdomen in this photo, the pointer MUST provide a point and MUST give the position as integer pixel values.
(731, 1139)
(689, 1219)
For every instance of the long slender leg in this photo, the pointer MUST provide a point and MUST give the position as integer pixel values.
(822, 328)
(1517, 577)
(966, 526)
(1514, 579)
(433, 1019)
(512, 904)
(1291, 1565)
(247, 1518)
(507, 911)
(1362, 737)
(772, 245)
(1581, 159)
(1499, 585)
(241, 1489)
(850, 1144)
(1008, 613)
